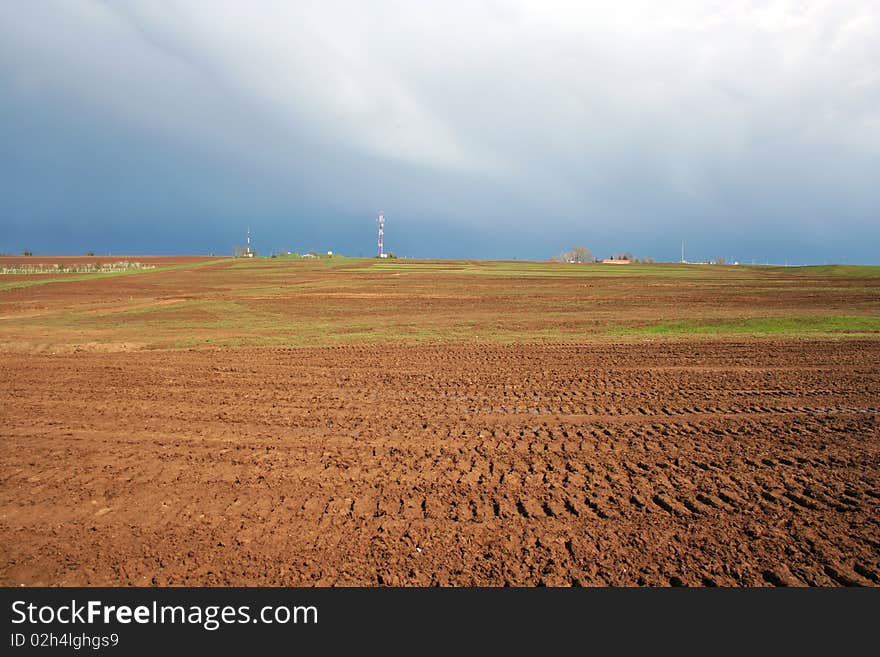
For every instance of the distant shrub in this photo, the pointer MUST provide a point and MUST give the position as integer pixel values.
(75, 268)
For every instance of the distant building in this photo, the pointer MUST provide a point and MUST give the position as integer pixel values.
(612, 261)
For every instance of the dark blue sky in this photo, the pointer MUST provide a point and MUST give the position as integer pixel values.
(483, 130)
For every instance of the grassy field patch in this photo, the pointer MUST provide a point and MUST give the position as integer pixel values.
(761, 326)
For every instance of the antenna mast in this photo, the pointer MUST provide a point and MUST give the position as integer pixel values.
(381, 221)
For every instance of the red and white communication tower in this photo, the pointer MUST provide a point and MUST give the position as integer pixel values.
(381, 221)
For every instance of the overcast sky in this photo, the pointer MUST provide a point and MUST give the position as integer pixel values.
(751, 130)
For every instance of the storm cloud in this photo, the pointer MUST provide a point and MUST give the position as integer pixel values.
(751, 130)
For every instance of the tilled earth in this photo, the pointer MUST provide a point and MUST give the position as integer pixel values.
(695, 463)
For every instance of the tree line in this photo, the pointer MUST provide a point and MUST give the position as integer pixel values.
(581, 254)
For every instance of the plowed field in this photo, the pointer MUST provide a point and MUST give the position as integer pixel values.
(600, 458)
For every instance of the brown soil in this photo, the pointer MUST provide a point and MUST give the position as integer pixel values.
(697, 463)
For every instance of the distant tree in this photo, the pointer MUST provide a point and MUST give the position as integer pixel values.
(719, 261)
(578, 254)
(391, 254)
(90, 253)
(27, 252)
(242, 252)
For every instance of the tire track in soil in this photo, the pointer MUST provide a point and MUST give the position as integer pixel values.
(673, 464)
